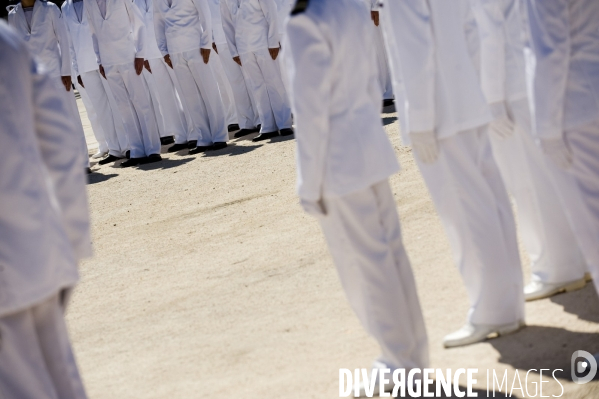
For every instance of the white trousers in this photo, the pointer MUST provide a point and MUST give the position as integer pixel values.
(165, 102)
(69, 98)
(226, 93)
(36, 359)
(364, 237)
(383, 64)
(247, 113)
(269, 92)
(202, 98)
(578, 189)
(473, 205)
(96, 90)
(93, 118)
(543, 224)
(133, 100)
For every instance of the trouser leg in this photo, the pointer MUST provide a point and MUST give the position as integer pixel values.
(224, 88)
(69, 98)
(99, 99)
(383, 64)
(259, 92)
(277, 95)
(154, 102)
(94, 120)
(119, 125)
(467, 191)
(364, 237)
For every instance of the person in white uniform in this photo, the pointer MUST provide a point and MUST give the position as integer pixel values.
(41, 26)
(184, 35)
(93, 88)
(253, 39)
(381, 55)
(118, 37)
(161, 82)
(44, 228)
(565, 83)
(448, 130)
(344, 160)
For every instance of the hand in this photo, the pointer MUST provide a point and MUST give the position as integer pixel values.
(147, 66)
(425, 146)
(139, 65)
(102, 72)
(214, 47)
(558, 150)
(66, 81)
(274, 52)
(205, 52)
(502, 125)
(237, 60)
(374, 15)
(80, 81)
(314, 208)
(167, 59)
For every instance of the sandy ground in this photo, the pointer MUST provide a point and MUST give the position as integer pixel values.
(208, 281)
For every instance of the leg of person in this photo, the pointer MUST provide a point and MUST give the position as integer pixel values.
(140, 98)
(279, 100)
(383, 65)
(149, 80)
(170, 106)
(206, 83)
(92, 115)
(556, 260)
(364, 238)
(99, 98)
(260, 93)
(121, 131)
(475, 212)
(224, 88)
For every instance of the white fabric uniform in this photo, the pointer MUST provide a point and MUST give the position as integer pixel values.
(381, 56)
(45, 38)
(182, 28)
(45, 232)
(165, 102)
(345, 159)
(251, 27)
(444, 96)
(565, 38)
(283, 10)
(544, 227)
(92, 115)
(118, 38)
(96, 91)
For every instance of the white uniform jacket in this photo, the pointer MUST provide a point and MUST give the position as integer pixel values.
(48, 39)
(119, 37)
(44, 222)
(82, 47)
(441, 81)
(250, 25)
(565, 38)
(146, 7)
(218, 34)
(184, 25)
(341, 144)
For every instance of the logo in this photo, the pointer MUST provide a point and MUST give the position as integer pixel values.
(584, 367)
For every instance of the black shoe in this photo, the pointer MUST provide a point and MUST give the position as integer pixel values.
(387, 103)
(233, 127)
(108, 159)
(286, 132)
(128, 154)
(219, 145)
(88, 171)
(151, 159)
(265, 136)
(192, 144)
(133, 162)
(177, 147)
(245, 132)
(199, 149)
(167, 140)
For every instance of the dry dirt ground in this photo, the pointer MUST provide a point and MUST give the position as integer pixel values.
(208, 281)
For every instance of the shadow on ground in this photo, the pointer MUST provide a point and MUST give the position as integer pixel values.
(96, 177)
(165, 164)
(232, 150)
(388, 120)
(584, 303)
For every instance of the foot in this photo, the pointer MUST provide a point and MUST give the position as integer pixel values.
(99, 154)
(132, 162)
(388, 387)
(233, 127)
(152, 158)
(199, 149)
(219, 145)
(539, 290)
(88, 171)
(192, 144)
(178, 147)
(167, 140)
(108, 159)
(471, 334)
(388, 102)
(286, 132)
(245, 132)
(265, 136)
(128, 154)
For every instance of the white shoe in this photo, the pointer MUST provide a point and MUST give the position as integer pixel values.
(99, 154)
(471, 334)
(538, 290)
